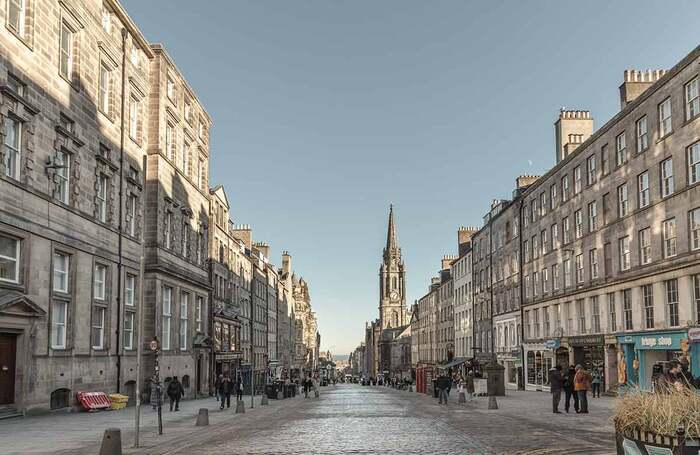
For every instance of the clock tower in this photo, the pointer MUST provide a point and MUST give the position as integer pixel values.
(392, 284)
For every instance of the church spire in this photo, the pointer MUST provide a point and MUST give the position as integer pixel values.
(391, 232)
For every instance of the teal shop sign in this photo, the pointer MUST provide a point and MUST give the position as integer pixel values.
(655, 341)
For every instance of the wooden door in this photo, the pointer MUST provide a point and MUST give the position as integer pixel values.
(8, 353)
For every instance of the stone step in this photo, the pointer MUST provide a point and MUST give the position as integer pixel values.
(8, 412)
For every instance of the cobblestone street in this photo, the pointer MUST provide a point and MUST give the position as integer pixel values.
(345, 419)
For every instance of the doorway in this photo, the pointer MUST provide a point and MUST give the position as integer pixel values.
(8, 357)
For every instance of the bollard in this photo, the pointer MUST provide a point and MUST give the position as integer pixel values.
(410, 388)
(240, 407)
(493, 404)
(263, 400)
(111, 442)
(202, 417)
(462, 397)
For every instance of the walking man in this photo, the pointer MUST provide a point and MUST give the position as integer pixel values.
(442, 384)
(225, 389)
(175, 392)
(555, 386)
(582, 384)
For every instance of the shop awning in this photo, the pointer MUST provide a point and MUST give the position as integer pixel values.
(455, 362)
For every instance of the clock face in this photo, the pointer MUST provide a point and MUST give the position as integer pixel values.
(394, 295)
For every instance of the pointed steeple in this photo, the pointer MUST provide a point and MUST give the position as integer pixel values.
(391, 231)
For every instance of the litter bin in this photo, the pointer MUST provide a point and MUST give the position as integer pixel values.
(271, 391)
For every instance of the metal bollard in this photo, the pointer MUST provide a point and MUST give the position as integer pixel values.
(410, 388)
(462, 397)
(263, 400)
(493, 404)
(202, 417)
(240, 407)
(111, 442)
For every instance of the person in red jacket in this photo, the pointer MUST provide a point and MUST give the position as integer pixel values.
(582, 384)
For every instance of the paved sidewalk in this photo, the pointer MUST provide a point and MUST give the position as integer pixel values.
(81, 432)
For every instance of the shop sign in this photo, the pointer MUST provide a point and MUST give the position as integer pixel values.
(587, 340)
(660, 341)
(663, 341)
(694, 334)
(552, 344)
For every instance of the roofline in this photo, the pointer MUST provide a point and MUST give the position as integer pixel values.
(646, 94)
(131, 26)
(158, 48)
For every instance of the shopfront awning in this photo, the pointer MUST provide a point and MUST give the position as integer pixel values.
(455, 362)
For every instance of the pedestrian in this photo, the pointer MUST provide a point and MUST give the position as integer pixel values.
(569, 390)
(582, 384)
(225, 389)
(307, 386)
(442, 384)
(556, 383)
(175, 392)
(596, 383)
(217, 385)
(449, 385)
(239, 388)
(470, 384)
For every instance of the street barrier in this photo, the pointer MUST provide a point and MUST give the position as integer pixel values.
(111, 442)
(93, 401)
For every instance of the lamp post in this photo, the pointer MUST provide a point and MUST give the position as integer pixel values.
(155, 347)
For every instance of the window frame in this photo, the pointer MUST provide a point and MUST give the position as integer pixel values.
(645, 254)
(16, 259)
(66, 54)
(101, 327)
(670, 243)
(665, 118)
(13, 152)
(641, 128)
(692, 105)
(668, 186)
(166, 318)
(643, 191)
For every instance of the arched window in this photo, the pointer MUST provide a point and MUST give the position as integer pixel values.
(60, 398)
(394, 284)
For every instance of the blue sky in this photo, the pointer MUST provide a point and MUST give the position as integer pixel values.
(327, 111)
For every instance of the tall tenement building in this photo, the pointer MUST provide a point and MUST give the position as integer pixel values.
(595, 262)
(85, 103)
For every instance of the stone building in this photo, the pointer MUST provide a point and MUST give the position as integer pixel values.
(393, 315)
(462, 278)
(176, 223)
(445, 313)
(623, 203)
(225, 278)
(71, 200)
(305, 330)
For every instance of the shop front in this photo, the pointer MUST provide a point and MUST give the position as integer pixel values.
(642, 353)
(589, 351)
(539, 359)
(227, 354)
(512, 363)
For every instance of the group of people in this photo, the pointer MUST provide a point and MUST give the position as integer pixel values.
(225, 387)
(445, 382)
(576, 381)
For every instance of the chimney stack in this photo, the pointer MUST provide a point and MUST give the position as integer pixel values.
(571, 129)
(286, 262)
(464, 239)
(263, 247)
(636, 82)
(446, 261)
(244, 233)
